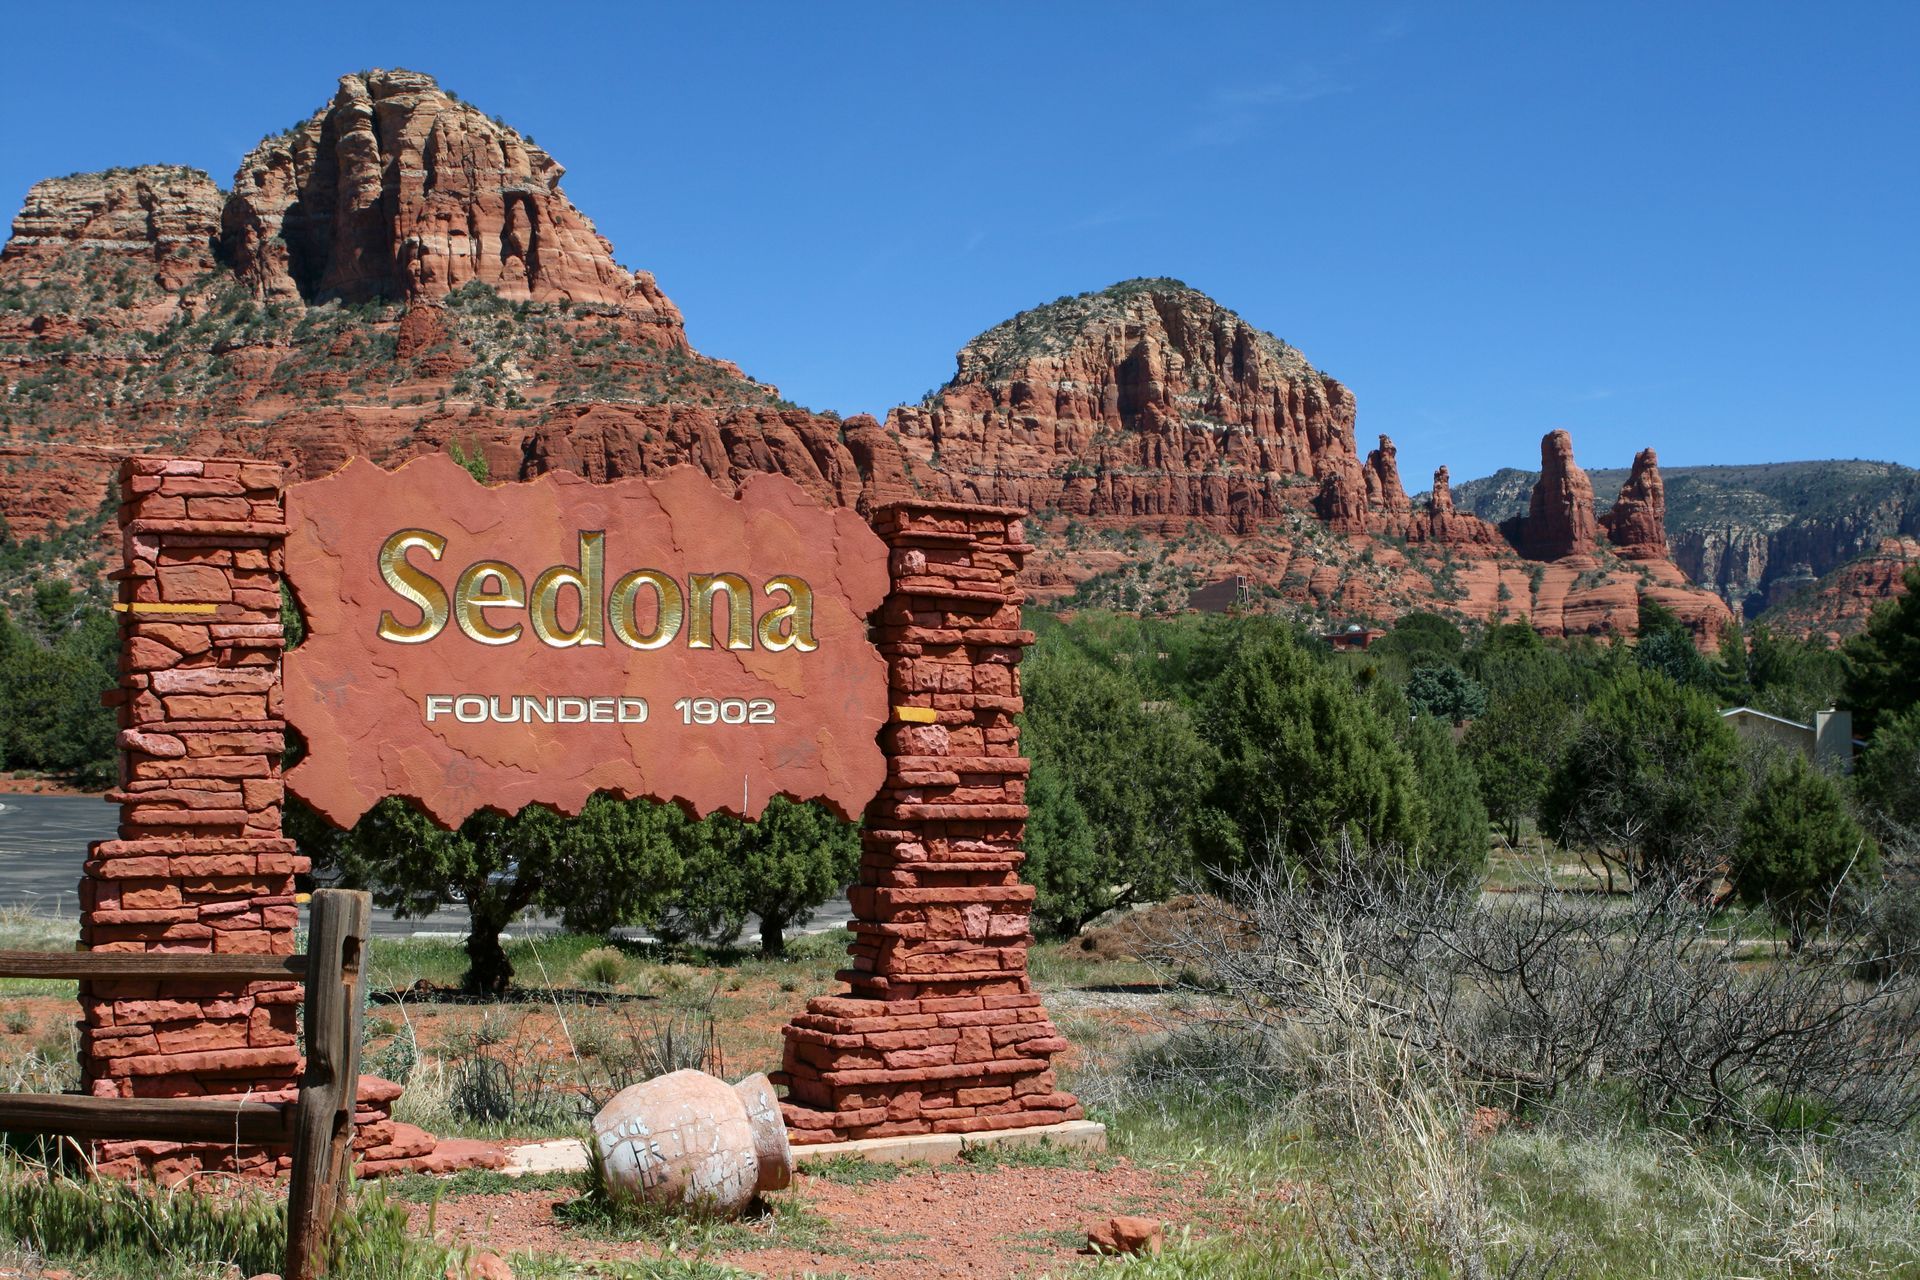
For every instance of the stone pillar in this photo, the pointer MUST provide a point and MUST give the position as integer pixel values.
(201, 865)
(941, 1031)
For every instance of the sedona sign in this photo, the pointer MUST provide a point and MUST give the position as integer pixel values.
(472, 646)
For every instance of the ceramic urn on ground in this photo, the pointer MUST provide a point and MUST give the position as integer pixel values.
(689, 1139)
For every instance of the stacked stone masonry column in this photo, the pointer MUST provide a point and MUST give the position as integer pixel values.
(940, 1031)
(200, 864)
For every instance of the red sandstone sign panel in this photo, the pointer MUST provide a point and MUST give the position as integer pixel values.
(472, 646)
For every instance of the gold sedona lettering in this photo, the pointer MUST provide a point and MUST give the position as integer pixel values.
(591, 629)
(483, 585)
(470, 601)
(666, 623)
(706, 588)
(798, 610)
(412, 585)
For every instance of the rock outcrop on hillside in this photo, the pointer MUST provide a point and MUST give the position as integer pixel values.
(1637, 524)
(1384, 492)
(395, 190)
(1839, 604)
(155, 225)
(1146, 400)
(402, 274)
(1758, 535)
(1439, 521)
(1559, 520)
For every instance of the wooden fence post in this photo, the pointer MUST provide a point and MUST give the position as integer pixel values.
(323, 1123)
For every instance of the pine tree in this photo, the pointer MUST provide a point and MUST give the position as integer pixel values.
(1304, 760)
(1653, 776)
(1456, 845)
(1799, 846)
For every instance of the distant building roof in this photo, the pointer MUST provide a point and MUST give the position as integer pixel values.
(1730, 712)
(1765, 715)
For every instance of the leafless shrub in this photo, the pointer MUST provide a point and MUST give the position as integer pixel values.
(1528, 994)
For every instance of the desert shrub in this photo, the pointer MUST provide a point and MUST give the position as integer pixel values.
(139, 1228)
(601, 967)
(519, 1089)
(641, 1048)
(396, 1059)
(1527, 996)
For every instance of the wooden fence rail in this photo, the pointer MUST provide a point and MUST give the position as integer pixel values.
(319, 1126)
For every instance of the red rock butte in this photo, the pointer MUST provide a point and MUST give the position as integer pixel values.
(401, 273)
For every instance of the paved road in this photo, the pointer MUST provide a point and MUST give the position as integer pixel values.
(44, 839)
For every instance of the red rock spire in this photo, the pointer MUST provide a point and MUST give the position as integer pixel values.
(1560, 520)
(1383, 479)
(1637, 525)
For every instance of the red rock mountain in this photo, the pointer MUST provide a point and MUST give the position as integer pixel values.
(396, 191)
(1839, 604)
(401, 273)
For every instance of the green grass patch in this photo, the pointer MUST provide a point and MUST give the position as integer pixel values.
(782, 1221)
(669, 1266)
(112, 1229)
(852, 1170)
(427, 1188)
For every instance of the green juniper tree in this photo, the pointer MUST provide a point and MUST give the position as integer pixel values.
(1882, 663)
(779, 867)
(52, 673)
(1664, 644)
(1799, 846)
(608, 866)
(1457, 817)
(1888, 774)
(1447, 693)
(1651, 778)
(1304, 761)
(1063, 858)
(1130, 765)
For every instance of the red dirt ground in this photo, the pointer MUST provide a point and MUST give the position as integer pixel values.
(950, 1221)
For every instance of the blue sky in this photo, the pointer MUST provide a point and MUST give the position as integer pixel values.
(1693, 226)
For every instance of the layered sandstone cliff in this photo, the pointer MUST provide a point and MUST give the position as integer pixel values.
(1148, 399)
(159, 220)
(397, 190)
(1839, 604)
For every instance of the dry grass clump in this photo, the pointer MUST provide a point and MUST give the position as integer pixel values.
(1404, 1082)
